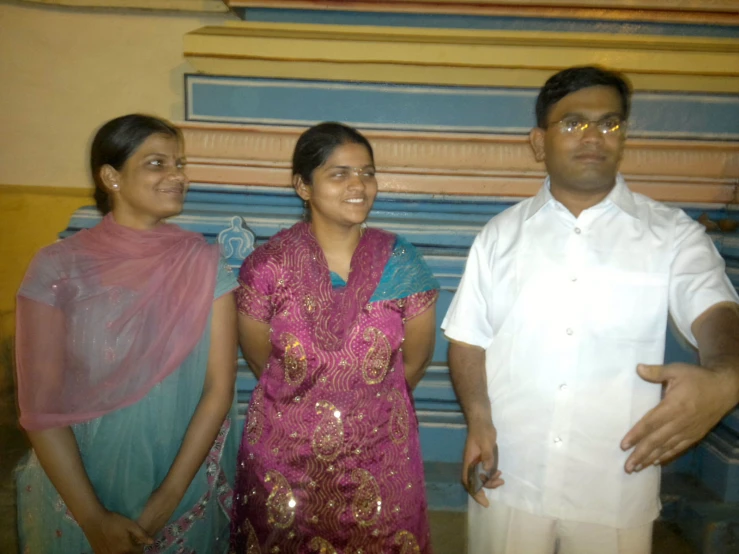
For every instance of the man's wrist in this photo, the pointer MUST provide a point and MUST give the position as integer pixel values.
(727, 368)
(731, 374)
(479, 417)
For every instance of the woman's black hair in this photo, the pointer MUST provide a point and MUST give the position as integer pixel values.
(116, 141)
(573, 79)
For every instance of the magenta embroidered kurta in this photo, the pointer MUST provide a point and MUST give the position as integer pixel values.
(330, 460)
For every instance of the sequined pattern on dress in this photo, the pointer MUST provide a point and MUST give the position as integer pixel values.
(376, 361)
(328, 437)
(322, 546)
(255, 416)
(407, 542)
(295, 362)
(252, 542)
(281, 501)
(367, 502)
(398, 425)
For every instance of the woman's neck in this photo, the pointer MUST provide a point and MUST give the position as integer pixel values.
(338, 244)
(135, 221)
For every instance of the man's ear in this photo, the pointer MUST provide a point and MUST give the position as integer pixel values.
(110, 178)
(536, 139)
(301, 188)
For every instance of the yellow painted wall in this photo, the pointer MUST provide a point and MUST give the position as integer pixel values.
(30, 218)
(64, 72)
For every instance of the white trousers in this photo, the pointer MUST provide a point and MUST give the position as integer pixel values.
(503, 530)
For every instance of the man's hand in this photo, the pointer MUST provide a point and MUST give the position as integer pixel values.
(467, 370)
(695, 400)
(481, 439)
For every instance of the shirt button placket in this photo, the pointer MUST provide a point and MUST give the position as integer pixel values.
(559, 430)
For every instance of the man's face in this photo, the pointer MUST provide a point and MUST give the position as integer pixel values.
(582, 160)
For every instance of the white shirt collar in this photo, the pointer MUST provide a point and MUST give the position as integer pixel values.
(620, 195)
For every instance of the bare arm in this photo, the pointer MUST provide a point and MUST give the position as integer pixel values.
(254, 338)
(696, 397)
(107, 532)
(467, 369)
(418, 346)
(717, 333)
(215, 402)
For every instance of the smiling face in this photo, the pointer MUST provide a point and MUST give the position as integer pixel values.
(581, 162)
(343, 189)
(151, 185)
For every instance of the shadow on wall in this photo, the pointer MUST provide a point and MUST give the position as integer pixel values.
(7, 374)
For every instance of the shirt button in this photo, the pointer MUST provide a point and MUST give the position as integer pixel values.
(557, 440)
(563, 387)
(577, 230)
(570, 331)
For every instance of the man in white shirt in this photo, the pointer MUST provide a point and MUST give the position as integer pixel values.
(557, 338)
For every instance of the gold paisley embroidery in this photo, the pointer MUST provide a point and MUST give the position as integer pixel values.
(296, 364)
(309, 304)
(407, 542)
(322, 546)
(398, 418)
(251, 303)
(255, 417)
(252, 543)
(367, 502)
(281, 502)
(328, 438)
(377, 359)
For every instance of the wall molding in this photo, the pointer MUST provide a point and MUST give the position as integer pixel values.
(720, 12)
(45, 190)
(209, 6)
(437, 109)
(461, 164)
(458, 56)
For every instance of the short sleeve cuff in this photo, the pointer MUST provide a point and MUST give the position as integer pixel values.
(47, 297)
(226, 280)
(418, 303)
(468, 336)
(698, 304)
(252, 304)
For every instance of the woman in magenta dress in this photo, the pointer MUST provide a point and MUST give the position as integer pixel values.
(337, 320)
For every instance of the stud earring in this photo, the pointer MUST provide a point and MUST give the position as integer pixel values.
(115, 186)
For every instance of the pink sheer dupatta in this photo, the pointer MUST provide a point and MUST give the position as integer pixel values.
(105, 315)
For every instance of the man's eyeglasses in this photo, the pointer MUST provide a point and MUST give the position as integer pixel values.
(576, 125)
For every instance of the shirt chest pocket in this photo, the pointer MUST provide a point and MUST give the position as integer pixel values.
(627, 305)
